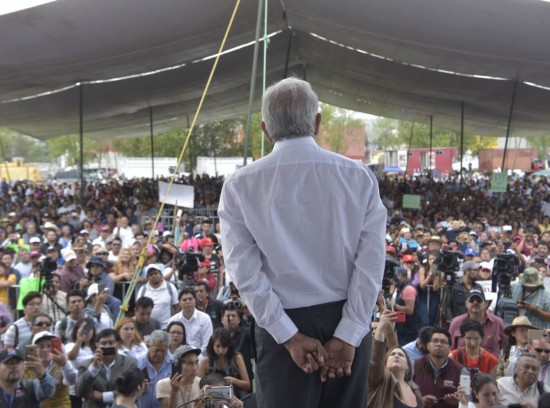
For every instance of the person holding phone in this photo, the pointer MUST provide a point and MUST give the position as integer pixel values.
(406, 301)
(389, 382)
(96, 381)
(81, 348)
(55, 363)
(183, 385)
(485, 394)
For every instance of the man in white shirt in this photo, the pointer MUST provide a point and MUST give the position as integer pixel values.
(303, 238)
(124, 232)
(198, 325)
(522, 388)
(163, 293)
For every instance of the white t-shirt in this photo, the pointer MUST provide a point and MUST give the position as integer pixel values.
(163, 299)
(164, 390)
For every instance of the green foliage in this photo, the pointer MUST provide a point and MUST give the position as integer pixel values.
(394, 134)
(336, 125)
(540, 143)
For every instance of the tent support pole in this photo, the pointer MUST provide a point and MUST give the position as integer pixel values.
(287, 59)
(431, 142)
(509, 127)
(81, 130)
(409, 150)
(461, 140)
(253, 81)
(152, 143)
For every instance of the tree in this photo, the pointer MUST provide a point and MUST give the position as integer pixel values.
(540, 143)
(337, 125)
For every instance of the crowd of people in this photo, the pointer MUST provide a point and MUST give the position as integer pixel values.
(72, 337)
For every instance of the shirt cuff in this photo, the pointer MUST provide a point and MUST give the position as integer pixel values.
(283, 329)
(108, 397)
(93, 370)
(350, 332)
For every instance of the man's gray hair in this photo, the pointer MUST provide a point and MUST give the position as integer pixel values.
(289, 108)
(159, 336)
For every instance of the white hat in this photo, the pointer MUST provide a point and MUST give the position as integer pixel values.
(155, 266)
(167, 234)
(43, 335)
(34, 240)
(68, 254)
(93, 289)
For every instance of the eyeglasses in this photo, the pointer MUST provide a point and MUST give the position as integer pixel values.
(475, 300)
(42, 324)
(176, 333)
(34, 304)
(540, 350)
(439, 341)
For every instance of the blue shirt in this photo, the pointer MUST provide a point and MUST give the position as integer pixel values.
(149, 398)
(538, 298)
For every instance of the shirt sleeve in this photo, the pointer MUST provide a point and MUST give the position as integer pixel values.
(44, 388)
(243, 260)
(409, 293)
(9, 336)
(163, 389)
(366, 278)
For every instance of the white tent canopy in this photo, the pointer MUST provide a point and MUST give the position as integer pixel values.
(385, 57)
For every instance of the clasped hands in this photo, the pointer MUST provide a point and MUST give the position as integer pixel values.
(334, 358)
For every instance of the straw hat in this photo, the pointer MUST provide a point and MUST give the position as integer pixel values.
(520, 321)
(531, 278)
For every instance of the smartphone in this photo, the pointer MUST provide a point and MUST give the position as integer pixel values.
(56, 344)
(400, 317)
(108, 351)
(101, 287)
(535, 334)
(176, 369)
(222, 392)
(179, 213)
(145, 373)
(31, 350)
(465, 382)
(88, 327)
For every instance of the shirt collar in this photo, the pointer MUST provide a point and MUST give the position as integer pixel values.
(295, 141)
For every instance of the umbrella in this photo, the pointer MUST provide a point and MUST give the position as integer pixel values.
(392, 169)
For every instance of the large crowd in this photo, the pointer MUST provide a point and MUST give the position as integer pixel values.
(67, 266)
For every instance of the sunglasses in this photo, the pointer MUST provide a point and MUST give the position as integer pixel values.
(475, 300)
(540, 350)
(42, 324)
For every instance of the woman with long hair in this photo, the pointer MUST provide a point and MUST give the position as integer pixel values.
(7, 279)
(81, 348)
(429, 285)
(389, 383)
(485, 393)
(122, 272)
(222, 358)
(131, 343)
(176, 331)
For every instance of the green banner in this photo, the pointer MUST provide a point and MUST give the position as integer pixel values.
(499, 183)
(411, 201)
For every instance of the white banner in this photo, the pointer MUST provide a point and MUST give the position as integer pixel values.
(181, 194)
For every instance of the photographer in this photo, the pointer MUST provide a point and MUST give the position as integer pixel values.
(533, 300)
(459, 291)
(406, 301)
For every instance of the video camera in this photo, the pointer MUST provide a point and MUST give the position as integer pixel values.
(187, 263)
(504, 267)
(47, 268)
(447, 262)
(389, 271)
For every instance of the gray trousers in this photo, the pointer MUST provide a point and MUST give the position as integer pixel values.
(279, 381)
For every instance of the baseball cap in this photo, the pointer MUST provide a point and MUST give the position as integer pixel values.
(43, 335)
(8, 354)
(485, 265)
(34, 240)
(68, 254)
(35, 253)
(102, 250)
(154, 267)
(408, 258)
(390, 249)
(476, 292)
(470, 252)
(206, 262)
(470, 265)
(182, 351)
(167, 234)
(207, 242)
(93, 289)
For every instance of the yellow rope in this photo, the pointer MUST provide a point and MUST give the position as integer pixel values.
(143, 255)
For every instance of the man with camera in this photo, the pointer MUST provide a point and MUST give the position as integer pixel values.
(163, 293)
(456, 296)
(96, 381)
(533, 300)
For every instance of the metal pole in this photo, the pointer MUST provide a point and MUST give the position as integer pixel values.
(431, 143)
(81, 119)
(253, 82)
(509, 125)
(409, 149)
(266, 40)
(5, 161)
(461, 140)
(152, 143)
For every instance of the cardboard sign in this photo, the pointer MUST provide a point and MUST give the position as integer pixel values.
(411, 201)
(182, 195)
(499, 183)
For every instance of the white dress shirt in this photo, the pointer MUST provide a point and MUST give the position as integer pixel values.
(303, 227)
(198, 329)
